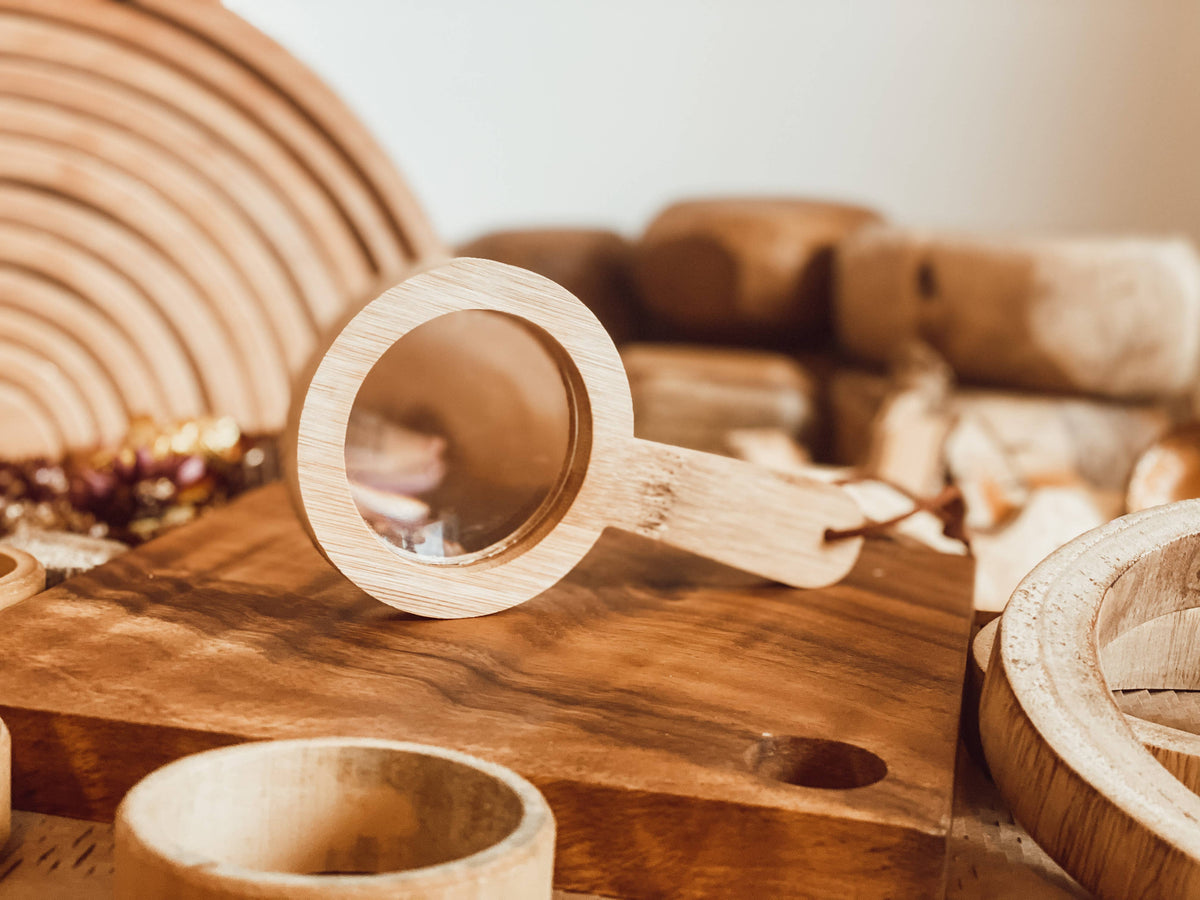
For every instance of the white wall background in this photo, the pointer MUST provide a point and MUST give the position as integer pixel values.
(1047, 115)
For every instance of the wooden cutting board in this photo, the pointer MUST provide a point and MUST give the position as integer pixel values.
(638, 695)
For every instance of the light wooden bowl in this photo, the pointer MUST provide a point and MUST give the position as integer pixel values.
(21, 576)
(1067, 761)
(334, 818)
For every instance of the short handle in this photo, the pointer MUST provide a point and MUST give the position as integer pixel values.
(770, 523)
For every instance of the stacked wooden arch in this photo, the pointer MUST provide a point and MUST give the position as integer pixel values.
(184, 208)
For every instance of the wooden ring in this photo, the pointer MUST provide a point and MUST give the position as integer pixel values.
(1176, 749)
(739, 514)
(331, 818)
(1063, 755)
(5, 784)
(21, 576)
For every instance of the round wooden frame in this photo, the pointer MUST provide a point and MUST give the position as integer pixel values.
(383, 788)
(25, 578)
(1066, 759)
(676, 495)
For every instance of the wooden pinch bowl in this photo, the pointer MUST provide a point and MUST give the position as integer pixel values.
(334, 818)
(21, 576)
(1074, 771)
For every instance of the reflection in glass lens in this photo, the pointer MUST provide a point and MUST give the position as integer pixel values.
(458, 435)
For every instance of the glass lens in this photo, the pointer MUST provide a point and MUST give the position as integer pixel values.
(458, 435)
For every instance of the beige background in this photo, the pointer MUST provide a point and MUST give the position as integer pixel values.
(1008, 113)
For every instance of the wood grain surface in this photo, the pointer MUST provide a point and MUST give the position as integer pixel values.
(639, 695)
(175, 177)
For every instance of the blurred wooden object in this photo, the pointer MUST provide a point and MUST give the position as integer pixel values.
(186, 209)
(696, 396)
(5, 784)
(744, 270)
(727, 717)
(594, 265)
(1059, 747)
(1047, 439)
(21, 576)
(1169, 470)
(289, 820)
(1117, 317)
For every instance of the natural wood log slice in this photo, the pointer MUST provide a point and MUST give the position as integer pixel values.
(1047, 439)
(594, 265)
(1168, 471)
(745, 270)
(1113, 317)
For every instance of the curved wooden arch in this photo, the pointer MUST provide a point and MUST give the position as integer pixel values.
(230, 188)
(256, 264)
(157, 222)
(76, 364)
(233, 199)
(240, 184)
(37, 265)
(137, 288)
(107, 61)
(41, 379)
(28, 429)
(276, 65)
(211, 66)
(1063, 755)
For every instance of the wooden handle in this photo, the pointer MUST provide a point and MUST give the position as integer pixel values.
(766, 522)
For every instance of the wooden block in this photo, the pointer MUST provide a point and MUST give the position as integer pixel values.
(661, 703)
(744, 270)
(594, 265)
(695, 396)
(1116, 317)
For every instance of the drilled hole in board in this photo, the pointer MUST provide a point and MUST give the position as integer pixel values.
(814, 762)
(927, 285)
(7, 564)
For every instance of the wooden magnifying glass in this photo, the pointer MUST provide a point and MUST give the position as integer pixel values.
(469, 434)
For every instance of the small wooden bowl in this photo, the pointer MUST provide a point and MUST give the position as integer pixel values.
(334, 818)
(21, 576)
(1065, 758)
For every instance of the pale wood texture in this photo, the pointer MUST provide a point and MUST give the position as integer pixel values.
(741, 270)
(186, 210)
(1058, 745)
(277, 820)
(635, 695)
(1048, 439)
(21, 575)
(1169, 470)
(594, 265)
(1113, 317)
(697, 397)
(1130, 666)
(767, 523)
(5, 784)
